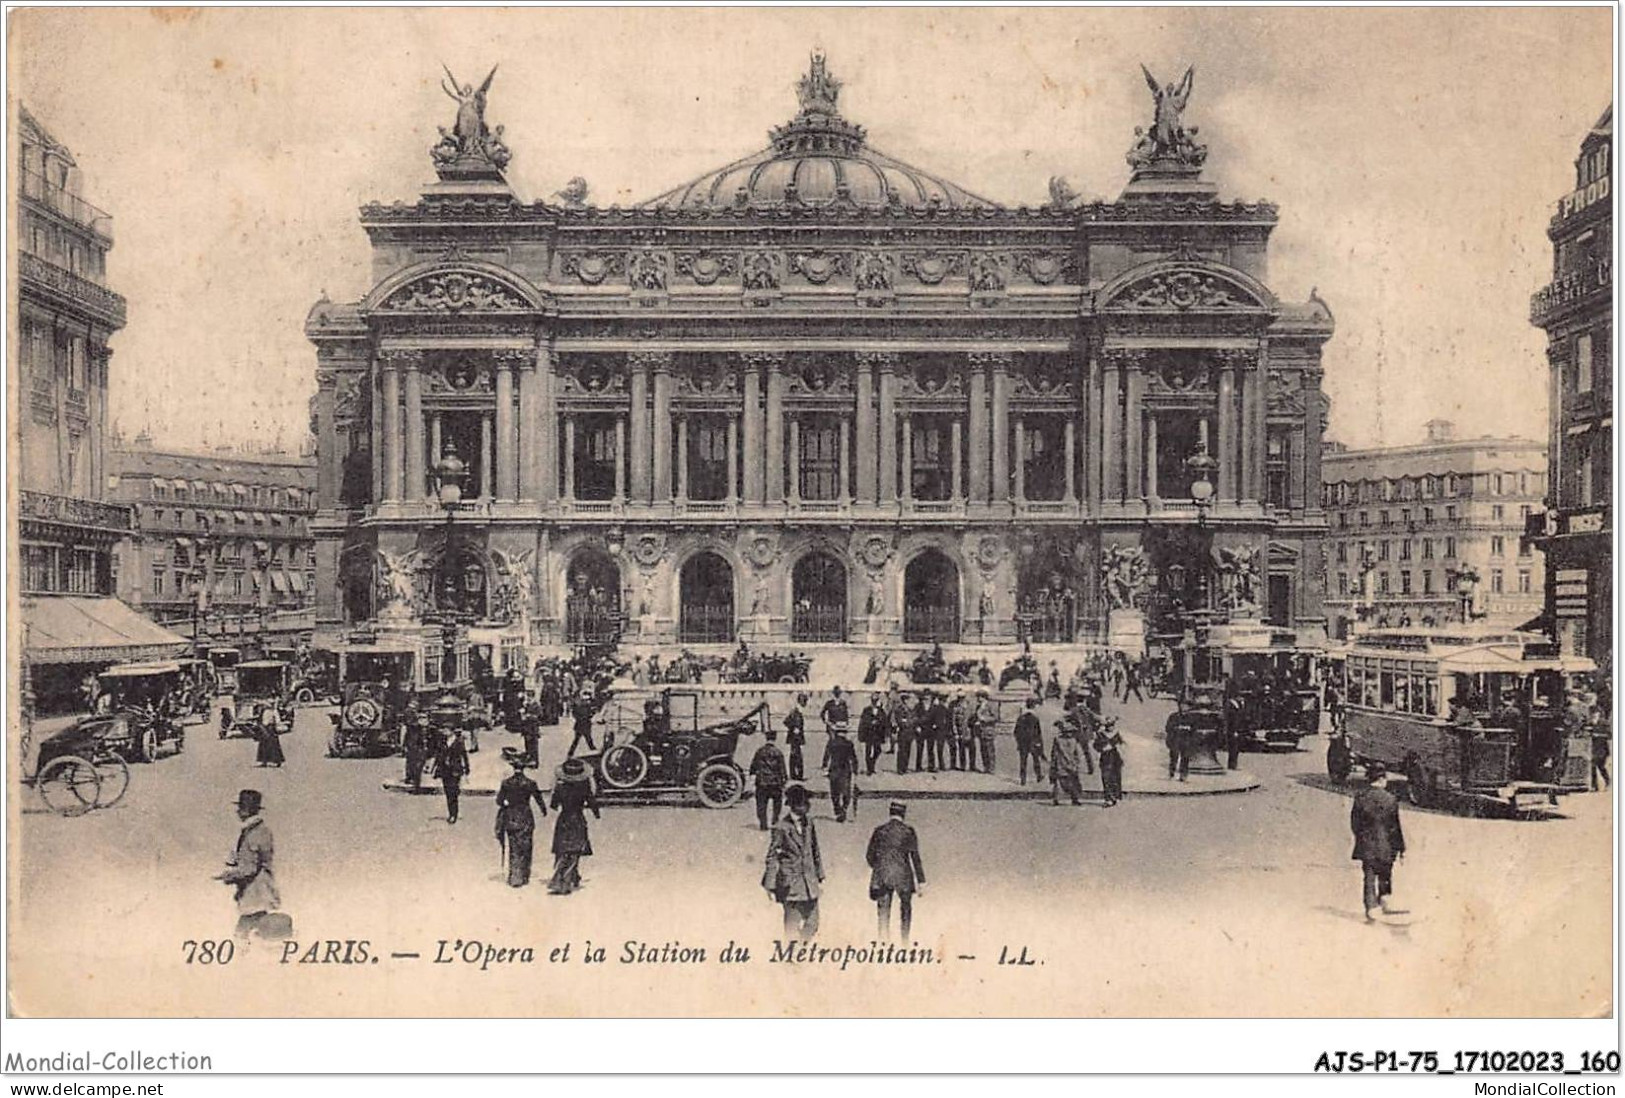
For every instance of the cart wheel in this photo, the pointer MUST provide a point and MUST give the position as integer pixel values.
(790, 677)
(147, 749)
(624, 766)
(720, 785)
(69, 786)
(1418, 785)
(304, 696)
(114, 773)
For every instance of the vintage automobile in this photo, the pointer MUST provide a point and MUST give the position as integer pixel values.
(367, 721)
(81, 767)
(225, 662)
(679, 755)
(197, 687)
(1201, 712)
(264, 689)
(1470, 715)
(145, 695)
(316, 677)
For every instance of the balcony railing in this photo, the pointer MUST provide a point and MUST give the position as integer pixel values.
(73, 511)
(92, 295)
(1565, 291)
(67, 204)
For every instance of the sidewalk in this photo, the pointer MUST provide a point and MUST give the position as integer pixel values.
(1145, 766)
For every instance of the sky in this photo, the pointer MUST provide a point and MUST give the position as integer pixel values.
(1414, 154)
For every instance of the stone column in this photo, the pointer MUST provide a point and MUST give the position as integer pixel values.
(1295, 468)
(754, 479)
(958, 484)
(888, 430)
(529, 403)
(620, 459)
(978, 429)
(868, 474)
(1228, 454)
(1312, 406)
(733, 459)
(638, 416)
(414, 442)
(437, 447)
(328, 476)
(846, 461)
(1261, 434)
(392, 426)
(507, 461)
(1071, 461)
(1134, 420)
(1252, 449)
(1096, 425)
(682, 460)
(1111, 425)
(662, 430)
(375, 443)
(774, 428)
(1151, 492)
(1020, 471)
(907, 472)
(1001, 429)
(794, 494)
(487, 458)
(569, 457)
(547, 438)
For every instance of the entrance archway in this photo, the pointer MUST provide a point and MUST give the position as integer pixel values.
(818, 599)
(931, 599)
(592, 600)
(706, 600)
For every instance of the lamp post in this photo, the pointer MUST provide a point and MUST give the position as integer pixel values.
(449, 474)
(1204, 749)
(200, 584)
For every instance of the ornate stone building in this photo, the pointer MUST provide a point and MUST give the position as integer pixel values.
(1576, 310)
(819, 395)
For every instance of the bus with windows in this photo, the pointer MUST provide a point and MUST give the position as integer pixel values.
(1465, 713)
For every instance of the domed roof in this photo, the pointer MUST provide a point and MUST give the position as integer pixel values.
(818, 159)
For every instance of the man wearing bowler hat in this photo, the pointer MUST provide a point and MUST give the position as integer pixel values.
(1378, 839)
(249, 869)
(794, 868)
(894, 857)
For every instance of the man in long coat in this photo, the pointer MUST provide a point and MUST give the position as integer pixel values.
(894, 857)
(249, 871)
(1378, 839)
(841, 764)
(872, 732)
(1030, 741)
(515, 826)
(768, 770)
(451, 766)
(795, 870)
(415, 743)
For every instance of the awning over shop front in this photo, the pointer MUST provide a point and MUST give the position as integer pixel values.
(240, 516)
(279, 582)
(263, 547)
(83, 629)
(239, 490)
(160, 482)
(259, 518)
(296, 580)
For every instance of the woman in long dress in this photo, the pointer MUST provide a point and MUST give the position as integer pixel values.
(269, 751)
(572, 796)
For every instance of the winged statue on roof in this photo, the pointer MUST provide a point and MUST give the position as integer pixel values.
(1169, 141)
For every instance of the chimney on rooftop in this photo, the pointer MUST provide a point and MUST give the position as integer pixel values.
(1440, 430)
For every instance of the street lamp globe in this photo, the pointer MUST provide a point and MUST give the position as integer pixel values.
(449, 473)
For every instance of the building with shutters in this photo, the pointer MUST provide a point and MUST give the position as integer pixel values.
(1576, 310)
(1428, 533)
(817, 395)
(221, 538)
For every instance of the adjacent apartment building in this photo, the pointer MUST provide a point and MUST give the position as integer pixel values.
(1433, 533)
(1576, 312)
(221, 539)
(67, 532)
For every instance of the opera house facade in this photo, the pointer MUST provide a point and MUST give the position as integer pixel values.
(819, 395)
